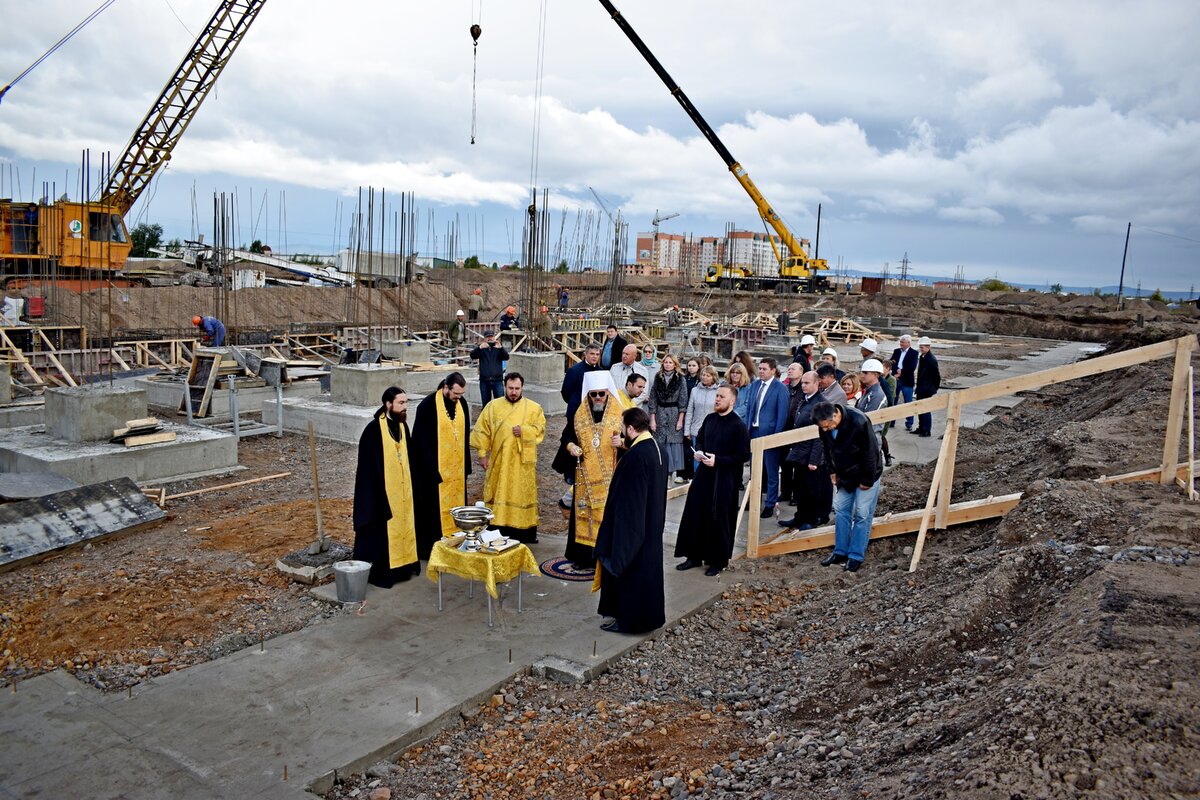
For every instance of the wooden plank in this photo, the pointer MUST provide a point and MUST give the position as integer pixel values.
(896, 524)
(1179, 396)
(16, 354)
(233, 485)
(1191, 464)
(58, 365)
(142, 423)
(926, 516)
(928, 405)
(150, 438)
(752, 494)
(950, 446)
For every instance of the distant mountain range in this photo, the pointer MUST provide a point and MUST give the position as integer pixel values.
(1130, 291)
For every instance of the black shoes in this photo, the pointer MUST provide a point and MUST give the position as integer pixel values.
(834, 558)
(611, 627)
(887, 460)
(913, 430)
(787, 523)
(712, 572)
(768, 512)
(924, 434)
(852, 565)
(686, 565)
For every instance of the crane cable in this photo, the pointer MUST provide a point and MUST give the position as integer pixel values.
(476, 30)
(57, 45)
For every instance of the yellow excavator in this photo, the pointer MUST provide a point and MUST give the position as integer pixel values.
(798, 272)
(82, 244)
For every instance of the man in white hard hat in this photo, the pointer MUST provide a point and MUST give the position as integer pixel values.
(869, 348)
(457, 329)
(873, 396)
(928, 381)
(802, 353)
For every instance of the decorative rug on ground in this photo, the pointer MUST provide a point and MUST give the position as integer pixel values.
(563, 569)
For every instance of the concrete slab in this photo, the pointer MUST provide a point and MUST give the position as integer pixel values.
(422, 382)
(92, 413)
(195, 451)
(24, 485)
(5, 383)
(340, 695)
(21, 414)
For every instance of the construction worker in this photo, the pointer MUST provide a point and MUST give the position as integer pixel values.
(457, 329)
(212, 330)
(508, 320)
(476, 305)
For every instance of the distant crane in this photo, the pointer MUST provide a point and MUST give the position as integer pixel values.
(657, 219)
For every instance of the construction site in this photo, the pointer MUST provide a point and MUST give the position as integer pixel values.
(177, 480)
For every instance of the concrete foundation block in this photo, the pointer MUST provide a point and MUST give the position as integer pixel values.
(5, 383)
(338, 421)
(547, 397)
(195, 451)
(407, 350)
(363, 384)
(542, 368)
(91, 413)
(169, 394)
(881, 322)
(424, 381)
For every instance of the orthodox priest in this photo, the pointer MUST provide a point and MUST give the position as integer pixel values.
(506, 436)
(440, 462)
(709, 520)
(592, 438)
(384, 529)
(629, 547)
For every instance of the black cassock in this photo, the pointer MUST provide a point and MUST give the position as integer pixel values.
(629, 544)
(371, 507)
(427, 506)
(707, 527)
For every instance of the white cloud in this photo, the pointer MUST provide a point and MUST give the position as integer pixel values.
(980, 216)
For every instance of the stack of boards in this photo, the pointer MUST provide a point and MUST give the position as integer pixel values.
(142, 431)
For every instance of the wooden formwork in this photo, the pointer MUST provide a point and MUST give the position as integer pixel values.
(826, 329)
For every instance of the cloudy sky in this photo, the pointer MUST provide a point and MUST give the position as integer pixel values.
(1013, 139)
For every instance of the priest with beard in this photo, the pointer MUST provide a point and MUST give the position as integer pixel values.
(590, 442)
(709, 521)
(384, 528)
(629, 547)
(441, 464)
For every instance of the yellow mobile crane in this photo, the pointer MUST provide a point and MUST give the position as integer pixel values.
(797, 271)
(86, 242)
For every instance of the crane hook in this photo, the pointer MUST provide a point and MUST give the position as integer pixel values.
(475, 31)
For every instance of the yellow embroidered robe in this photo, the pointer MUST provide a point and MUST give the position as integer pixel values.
(510, 487)
(595, 468)
(401, 528)
(452, 452)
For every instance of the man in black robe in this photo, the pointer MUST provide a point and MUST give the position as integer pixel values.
(388, 547)
(709, 521)
(428, 453)
(630, 542)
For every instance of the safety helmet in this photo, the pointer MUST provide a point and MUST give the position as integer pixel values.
(872, 365)
(807, 339)
(196, 320)
(870, 345)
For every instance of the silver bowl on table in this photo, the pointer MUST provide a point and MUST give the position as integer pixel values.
(471, 520)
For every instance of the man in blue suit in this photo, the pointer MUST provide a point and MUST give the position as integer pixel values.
(767, 412)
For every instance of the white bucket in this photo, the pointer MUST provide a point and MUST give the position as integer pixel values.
(350, 579)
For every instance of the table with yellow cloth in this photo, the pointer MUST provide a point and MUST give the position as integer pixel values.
(487, 568)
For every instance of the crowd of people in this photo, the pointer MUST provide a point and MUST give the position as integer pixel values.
(636, 420)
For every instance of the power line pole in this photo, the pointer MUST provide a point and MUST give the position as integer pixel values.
(904, 267)
(1121, 285)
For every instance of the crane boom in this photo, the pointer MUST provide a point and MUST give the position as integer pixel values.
(798, 262)
(152, 142)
